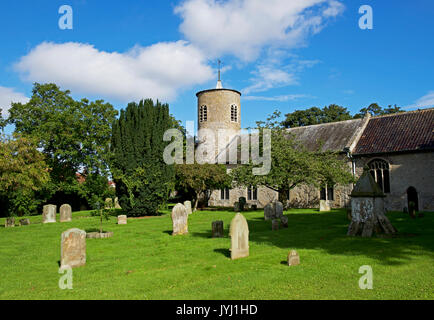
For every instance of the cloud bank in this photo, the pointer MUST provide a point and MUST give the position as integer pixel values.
(9, 95)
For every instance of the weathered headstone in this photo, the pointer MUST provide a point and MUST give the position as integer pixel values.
(179, 219)
(284, 221)
(275, 225)
(239, 232)
(187, 205)
(24, 222)
(122, 219)
(10, 222)
(108, 203)
(73, 248)
(117, 205)
(217, 229)
(278, 209)
(324, 205)
(367, 209)
(49, 213)
(293, 258)
(269, 211)
(65, 213)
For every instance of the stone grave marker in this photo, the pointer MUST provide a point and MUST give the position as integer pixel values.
(284, 221)
(293, 258)
(24, 222)
(269, 211)
(217, 229)
(239, 232)
(122, 219)
(10, 222)
(187, 205)
(49, 213)
(73, 248)
(179, 219)
(65, 213)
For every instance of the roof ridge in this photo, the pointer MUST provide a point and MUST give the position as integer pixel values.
(403, 113)
(324, 124)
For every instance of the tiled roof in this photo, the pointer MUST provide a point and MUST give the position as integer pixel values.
(334, 136)
(408, 131)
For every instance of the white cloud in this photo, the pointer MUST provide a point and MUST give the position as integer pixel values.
(423, 102)
(8, 95)
(281, 98)
(158, 71)
(244, 27)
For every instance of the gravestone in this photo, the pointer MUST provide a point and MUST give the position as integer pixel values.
(324, 205)
(24, 222)
(278, 209)
(73, 248)
(187, 205)
(179, 219)
(217, 229)
(284, 221)
(275, 225)
(269, 211)
(117, 206)
(367, 209)
(293, 258)
(65, 213)
(49, 213)
(10, 222)
(122, 219)
(108, 203)
(239, 232)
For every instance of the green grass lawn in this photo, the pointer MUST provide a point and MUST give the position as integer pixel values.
(143, 261)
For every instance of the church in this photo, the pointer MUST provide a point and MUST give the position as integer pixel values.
(398, 149)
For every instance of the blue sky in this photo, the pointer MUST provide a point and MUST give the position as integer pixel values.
(281, 54)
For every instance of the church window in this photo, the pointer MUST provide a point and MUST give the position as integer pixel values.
(330, 193)
(252, 193)
(379, 169)
(203, 114)
(224, 194)
(234, 113)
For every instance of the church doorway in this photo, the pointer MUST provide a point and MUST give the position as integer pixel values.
(412, 198)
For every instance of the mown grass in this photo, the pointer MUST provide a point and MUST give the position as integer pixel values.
(143, 261)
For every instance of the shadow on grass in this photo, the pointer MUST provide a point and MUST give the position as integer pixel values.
(224, 251)
(327, 231)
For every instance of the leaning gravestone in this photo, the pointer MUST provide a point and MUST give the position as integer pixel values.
(269, 211)
(217, 229)
(293, 258)
(117, 205)
(122, 219)
(278, 209)
(187, 205)
(73, 248)
(179, 219)
(65, 213)
(24, 222)
(239, 232)
(49, 213)
(10, 222)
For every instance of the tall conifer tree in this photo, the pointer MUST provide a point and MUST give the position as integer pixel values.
(143, 180)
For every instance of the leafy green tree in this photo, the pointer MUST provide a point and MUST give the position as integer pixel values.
(2, 121)
(143, 180)
(375, 110)
(74, 136)
(23, 171)
(292, 164)
(315, 115)
(201, 179)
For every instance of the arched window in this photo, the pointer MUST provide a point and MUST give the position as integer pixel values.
(379, 169)
(203, 114)
(234, 113)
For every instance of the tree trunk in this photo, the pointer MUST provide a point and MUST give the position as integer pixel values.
(196, 201)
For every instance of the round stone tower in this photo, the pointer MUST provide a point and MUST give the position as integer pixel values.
(219, 112)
